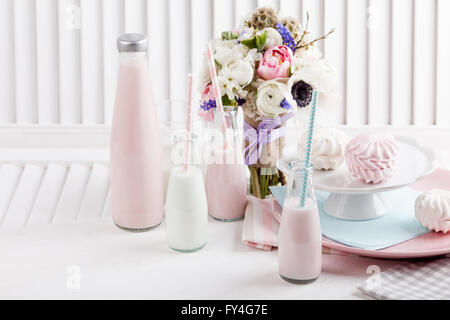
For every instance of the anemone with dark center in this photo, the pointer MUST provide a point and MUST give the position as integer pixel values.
(302, 93)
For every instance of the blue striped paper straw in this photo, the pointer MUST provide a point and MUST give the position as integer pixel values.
(312, 118)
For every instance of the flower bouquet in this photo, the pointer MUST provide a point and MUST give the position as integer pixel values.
(269, 67)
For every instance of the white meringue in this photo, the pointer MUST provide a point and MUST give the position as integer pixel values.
(328, 148)
(433, 210)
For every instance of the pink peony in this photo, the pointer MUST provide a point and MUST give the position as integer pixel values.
(275, 63)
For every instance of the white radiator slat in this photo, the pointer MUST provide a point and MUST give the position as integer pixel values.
(443, 64)
(69, 61)
(95, 195)
(315, 10)
(269, 3)
(135, 16)
(25, 62)
(334, 49)
(291, 8)
(113, 26)
(179, 53)
(356, 93)
(379, 63)
(401, 77)
(51, 74)
(223, 17)
(91, 62)
(200, 33)
(47, 61)
(72, 194)
(47, 198)
(158, 34)
(424, 62)
(7, 88)
(24, 196)
(9, 177)
(242, 9)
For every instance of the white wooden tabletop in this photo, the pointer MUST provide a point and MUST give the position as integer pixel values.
(57, 240)
(94, 259)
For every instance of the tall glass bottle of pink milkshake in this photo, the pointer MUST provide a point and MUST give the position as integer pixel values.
(225, 175)
(300, 237)
(135, 151)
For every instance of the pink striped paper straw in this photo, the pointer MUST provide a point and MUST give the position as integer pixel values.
(187, 138)
(215, 81)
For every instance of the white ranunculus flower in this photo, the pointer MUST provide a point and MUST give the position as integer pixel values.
(225, 50)
(273, 37)
(239, 70)
(270, 94)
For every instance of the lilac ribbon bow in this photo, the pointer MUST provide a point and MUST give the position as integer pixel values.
(268, 130)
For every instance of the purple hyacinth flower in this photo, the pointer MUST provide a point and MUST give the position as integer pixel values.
(285, 104)
(207, 105)
(288, 40)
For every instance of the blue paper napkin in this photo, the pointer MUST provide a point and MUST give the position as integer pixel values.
(398, 225)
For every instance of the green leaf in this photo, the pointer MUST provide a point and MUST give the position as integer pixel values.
(229, 35)
(227, 102)
(218, 64)
(260, 41)
(250, 43)
(257, 42)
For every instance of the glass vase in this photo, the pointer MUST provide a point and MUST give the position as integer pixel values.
(225, 174)
(261, 154)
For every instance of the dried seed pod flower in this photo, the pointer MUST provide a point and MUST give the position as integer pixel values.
(264, 17)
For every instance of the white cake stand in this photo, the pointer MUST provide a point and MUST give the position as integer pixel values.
(352, 199)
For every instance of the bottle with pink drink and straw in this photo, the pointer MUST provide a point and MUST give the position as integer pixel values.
(137, 192)
(225, 175)
(300, 236)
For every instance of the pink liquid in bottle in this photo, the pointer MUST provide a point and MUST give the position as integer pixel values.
(135, 150)
(300, 242)
(226, 187)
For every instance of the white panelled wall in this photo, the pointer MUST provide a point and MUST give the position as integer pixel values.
(59, 61)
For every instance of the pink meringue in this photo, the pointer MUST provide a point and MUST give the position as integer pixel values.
(371, 157)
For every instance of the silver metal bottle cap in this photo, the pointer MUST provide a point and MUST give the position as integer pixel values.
(132, 42)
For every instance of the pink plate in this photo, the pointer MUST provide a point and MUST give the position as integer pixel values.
(428, 245)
